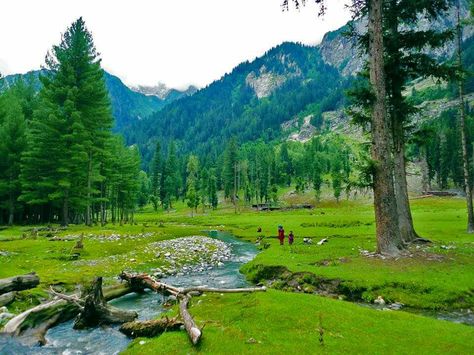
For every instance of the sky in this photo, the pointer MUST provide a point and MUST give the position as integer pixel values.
(176, 42)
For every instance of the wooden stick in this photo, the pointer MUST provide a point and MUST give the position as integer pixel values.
(194, 332)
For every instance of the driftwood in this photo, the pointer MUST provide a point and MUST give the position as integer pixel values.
(183, 295)
(91, 309)
(19, 283)
(150, 328)
(94, 309)
(31, 325)
(7, 298)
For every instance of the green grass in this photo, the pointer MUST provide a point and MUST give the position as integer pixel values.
(439, 276)
(434, 278)
(288, 323)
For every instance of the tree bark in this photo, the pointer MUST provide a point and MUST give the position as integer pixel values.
(462, 117)
(192, 329)
(405, 219)
(97, 312)
(19, 283)
(388, 234)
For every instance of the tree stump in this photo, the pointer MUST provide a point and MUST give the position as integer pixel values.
(96, 311)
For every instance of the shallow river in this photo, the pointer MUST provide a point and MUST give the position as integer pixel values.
(108, 340)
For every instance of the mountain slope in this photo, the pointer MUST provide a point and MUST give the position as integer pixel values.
(249, 103)
(127, 105)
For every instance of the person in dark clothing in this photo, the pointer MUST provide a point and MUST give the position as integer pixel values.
(291, 238)
(281, 234)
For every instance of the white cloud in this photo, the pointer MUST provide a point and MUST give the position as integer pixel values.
(177, 42)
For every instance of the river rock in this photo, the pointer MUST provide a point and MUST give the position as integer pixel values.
(379, 300)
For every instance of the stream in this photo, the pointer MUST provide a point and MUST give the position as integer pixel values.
(63, 339)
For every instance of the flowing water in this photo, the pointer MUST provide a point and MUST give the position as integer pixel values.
(108, 340)
(62, 339)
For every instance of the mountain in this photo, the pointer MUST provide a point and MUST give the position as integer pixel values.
(249, 103)
(342, 52)
(292, 91)
(127, 105)
(164, 92)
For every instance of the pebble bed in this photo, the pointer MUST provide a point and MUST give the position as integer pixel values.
(182, 256)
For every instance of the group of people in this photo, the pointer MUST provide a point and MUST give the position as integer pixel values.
(281, 236)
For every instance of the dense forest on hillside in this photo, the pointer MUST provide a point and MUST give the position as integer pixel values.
(299, 82)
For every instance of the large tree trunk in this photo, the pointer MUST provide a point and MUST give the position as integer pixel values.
(462, 116)
(19, 283)
(405, 219)
(89, 186)
(388, 234)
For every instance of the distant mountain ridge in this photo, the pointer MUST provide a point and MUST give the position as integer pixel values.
(128, 105)
(289, 83)
(163, 92)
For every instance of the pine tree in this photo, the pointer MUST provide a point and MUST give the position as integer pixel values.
(72, 124)
(403, 61)
(285, 166)
(155, 173)
(462, 119)
(170, 178)
(192, 183)
(212, 189)
(230, 171)
(12, 144)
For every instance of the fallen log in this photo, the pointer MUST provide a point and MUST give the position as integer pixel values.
(141, 281)
(150, 328)
(194, 332)
(95, 310)
(7, 298)
(183, 295)
(31, 325)
(19, 283)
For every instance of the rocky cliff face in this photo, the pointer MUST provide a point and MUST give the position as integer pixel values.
(341, 52)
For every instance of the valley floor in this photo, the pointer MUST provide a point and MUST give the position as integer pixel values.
(290, 316)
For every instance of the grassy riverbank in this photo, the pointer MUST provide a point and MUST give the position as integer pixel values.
(436, 276)
(287, 323)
